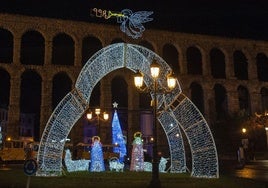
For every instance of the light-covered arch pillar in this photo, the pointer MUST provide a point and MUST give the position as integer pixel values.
(176, 113)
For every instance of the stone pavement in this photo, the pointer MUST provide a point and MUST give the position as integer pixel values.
(257, 170)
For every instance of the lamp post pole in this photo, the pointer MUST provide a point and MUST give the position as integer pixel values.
(155, 182)
(98, 126)
(171, 83)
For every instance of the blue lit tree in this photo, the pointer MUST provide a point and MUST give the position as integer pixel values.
(118, 138)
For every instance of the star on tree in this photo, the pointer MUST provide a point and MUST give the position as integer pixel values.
(115, 104)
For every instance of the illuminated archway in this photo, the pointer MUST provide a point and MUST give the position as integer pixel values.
(177, 113)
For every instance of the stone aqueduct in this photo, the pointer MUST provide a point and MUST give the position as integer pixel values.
(182, 51)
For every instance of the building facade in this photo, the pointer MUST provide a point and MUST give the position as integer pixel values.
(40, 59)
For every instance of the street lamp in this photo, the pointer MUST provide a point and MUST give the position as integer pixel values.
(171, 83)
(104, 117)
(244, 130)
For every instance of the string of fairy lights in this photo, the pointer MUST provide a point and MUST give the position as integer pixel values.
(178, 113)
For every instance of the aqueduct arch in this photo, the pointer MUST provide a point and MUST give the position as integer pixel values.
(177, 113)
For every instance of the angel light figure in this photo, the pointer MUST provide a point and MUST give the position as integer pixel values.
(131, 23)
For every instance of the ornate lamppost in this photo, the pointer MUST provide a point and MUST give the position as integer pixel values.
(105, 117)
(156, 90)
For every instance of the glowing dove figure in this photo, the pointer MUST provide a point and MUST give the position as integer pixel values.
(131, 23)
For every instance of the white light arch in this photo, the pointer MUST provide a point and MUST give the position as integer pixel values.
(177, 113)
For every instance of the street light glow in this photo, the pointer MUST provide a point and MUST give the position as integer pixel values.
(154, 69)
(138, 80)
(97, 111)
(105, 117)
(171, 81)
(89, 115)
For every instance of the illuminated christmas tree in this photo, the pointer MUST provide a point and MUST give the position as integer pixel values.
(118, 138)
(137, 156)
(97, 162)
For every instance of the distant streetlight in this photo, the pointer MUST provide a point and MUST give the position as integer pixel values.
(171, 83)
(104, 117)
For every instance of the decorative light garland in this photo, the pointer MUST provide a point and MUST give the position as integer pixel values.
(177, 113)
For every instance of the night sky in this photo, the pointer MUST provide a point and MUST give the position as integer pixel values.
(236, 18)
